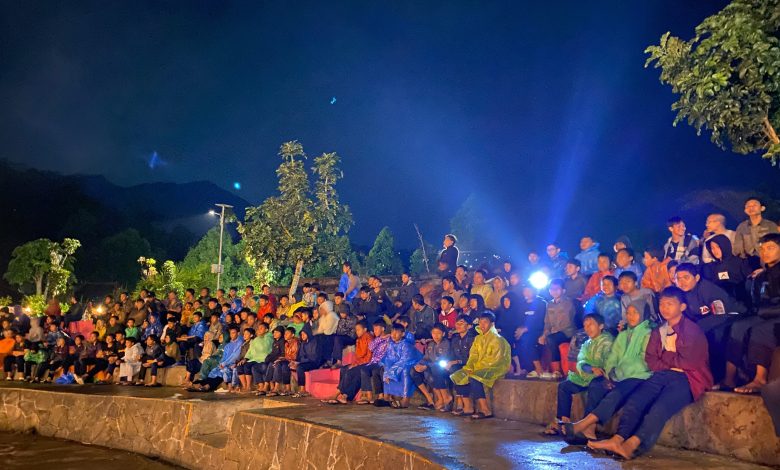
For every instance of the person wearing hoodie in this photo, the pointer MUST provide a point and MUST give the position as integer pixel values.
(656, 276)
(533, 308)
(607, 304)
(625, 369)
(401, 356)
(264, 373)
(715, 225)
(624, 260)
(727, 271)
(327, 323)
(309, 358)
(589, 255)
(489, 360)
(428, 372)
(510, 318)
(604, 268)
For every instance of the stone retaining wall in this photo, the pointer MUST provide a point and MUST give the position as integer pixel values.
(185, 433)
(720, 423)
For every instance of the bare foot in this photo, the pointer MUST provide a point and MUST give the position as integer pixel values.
(606, 445)
(751, 388)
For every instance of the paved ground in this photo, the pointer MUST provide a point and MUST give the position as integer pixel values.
(454, 442)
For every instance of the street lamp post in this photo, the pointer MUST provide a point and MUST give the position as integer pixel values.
(221, 231)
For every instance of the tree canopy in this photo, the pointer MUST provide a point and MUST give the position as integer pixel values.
(727, 77)
(383, 259)
(44, 264)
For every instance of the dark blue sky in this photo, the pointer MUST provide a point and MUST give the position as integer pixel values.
(545, 108)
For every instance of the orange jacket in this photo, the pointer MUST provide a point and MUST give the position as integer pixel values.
(361, 349)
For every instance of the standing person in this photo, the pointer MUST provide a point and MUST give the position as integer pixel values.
(677, 354)
(589, 255)
(715, 225)
(750, 231)
(448, 258)
(681, 246)
(489, 360)
(349, 284)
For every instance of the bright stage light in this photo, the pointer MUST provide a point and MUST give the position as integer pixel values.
(539, 280)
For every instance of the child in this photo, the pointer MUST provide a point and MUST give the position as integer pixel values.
(428, 371)
(153, 353)
(130, 364)
(593, 286)
(236, 370)
(591, 362)
(656, 277)
(632, 294)
(625, 369)
(448, 315)
(34, 358)
(345, 336)
(57, 359)
(677, 354)
(15, 358)
(558, 326)
(398, 361)
(371, 375)
(132, 331)
(309, 358)
(169, 357)
(607, 304)
(626, 263)
(280, 367)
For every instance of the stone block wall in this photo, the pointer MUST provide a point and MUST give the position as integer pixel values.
(209, 434)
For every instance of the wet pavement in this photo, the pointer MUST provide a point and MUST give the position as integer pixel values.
(33, 452)
(453, 442)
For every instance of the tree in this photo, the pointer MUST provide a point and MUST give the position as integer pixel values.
(115, 257)
(46, 264)
(195, 269)
(728, 76)
(282, 231)
(416, 262)
(383, 259)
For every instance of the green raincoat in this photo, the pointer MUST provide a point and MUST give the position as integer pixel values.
(489, 360)
(627, 358)
(594, 353)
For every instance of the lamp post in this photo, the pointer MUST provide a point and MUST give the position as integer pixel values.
(221, 231)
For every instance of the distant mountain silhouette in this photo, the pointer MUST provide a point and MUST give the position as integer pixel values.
(171, 216)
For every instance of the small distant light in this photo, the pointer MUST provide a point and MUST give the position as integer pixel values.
(539, 280)
(237, 186)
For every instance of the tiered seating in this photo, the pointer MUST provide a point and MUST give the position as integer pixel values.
(323, 383)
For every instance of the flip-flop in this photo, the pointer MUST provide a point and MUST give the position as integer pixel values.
(747, 391)
(363, 402)
(480, 415)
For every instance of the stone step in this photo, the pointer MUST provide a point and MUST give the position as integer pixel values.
(720, 423)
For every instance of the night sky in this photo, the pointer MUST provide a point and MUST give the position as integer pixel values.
(544, 108)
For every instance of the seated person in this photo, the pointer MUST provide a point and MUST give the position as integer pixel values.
(423, 317)
(765, 328)
(708, 306)
(529, 351)
(371, 375)
(625, 370)
(169, 357)
(220, 373)
(398, 361)
(131, 330)
(677, 354)
(429, 372)
(625, 262)
(15, 356)
(194, 336)
(130, 364)
(309, 358)
(55, 361)
(235, 382)
(265, 382)
(278, 374)
(489, 360)
(90, 355)
(656, 277)
(344, 336)
(34, 359)
(591, 362)
(153, 353)
(631, 293)
(253, 365)
(593, 286)
(558, 325)
(607, 304)
(349, 376)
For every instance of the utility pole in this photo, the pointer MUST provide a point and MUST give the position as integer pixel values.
(221, 232)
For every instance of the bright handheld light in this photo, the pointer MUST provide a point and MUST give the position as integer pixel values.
(442, 363)
(539, 280)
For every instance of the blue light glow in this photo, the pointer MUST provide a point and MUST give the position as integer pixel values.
(237, 186)
(539, 280)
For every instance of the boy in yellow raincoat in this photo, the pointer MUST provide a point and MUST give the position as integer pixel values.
(489, 360)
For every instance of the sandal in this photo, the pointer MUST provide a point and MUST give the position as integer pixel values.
(458, 412)
(426, 407)
(363, 402)
(480, 415)
(749, 389)
(397, 405)
(271, 394)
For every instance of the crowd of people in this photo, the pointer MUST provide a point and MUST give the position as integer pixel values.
(648, 336)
